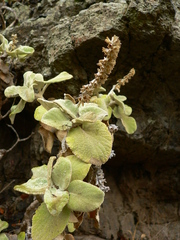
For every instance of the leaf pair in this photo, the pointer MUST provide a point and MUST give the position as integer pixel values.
(21, 52)
(33, 87)
(114, 104)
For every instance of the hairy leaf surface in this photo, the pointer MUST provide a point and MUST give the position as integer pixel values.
(46, 226)
(90, 142)
(84, 197)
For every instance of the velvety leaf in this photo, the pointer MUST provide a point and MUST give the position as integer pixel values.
(68, 107)
(128, 122)
(48, 139)
(55, 200)
(61, 173)
(98, 112)
(57, 119)
(79, 168)
(40, 172)
(47, 104)
(28, 78)
(3, 236)
(21, 52)
(4, 46)
(21, 236)
(16, 109)
(50, 168)
(63, 76)
(3, 225)
(127, 110)
(46, 226)
(33, 186)
(84, 197)
(26, 93)
(39, 112)
(91, 142)
(71, 228)
(103, 102)
(11, 91)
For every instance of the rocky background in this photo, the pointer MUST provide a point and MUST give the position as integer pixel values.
(144, 177)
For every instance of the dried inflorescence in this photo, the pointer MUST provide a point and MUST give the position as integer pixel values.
(106, 66)
(124, 80)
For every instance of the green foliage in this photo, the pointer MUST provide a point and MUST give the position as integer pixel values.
(3, 225)
(8, 48)
(69, 182)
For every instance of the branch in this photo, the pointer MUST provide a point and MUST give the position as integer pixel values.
(4, 151)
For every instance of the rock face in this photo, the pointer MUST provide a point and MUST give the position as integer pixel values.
(144, 177)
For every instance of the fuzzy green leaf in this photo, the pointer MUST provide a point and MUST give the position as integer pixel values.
(11, 91)
(128, 122)
(103, 102)
(47, 104)
(46, 226)
(79, 168)
(57, 119)
(26, 93)
(39, 112)
(63, 76)
(33, 186)
(40, 172)
(4, 46)
(84, 197)
(91, 142)
(90, 112)
(21, 236)
(55, 200)
(16, 109)
(3, 236)
(21, 52)
(3, 225)
(68, 107)
(61, 173)
(38, 182)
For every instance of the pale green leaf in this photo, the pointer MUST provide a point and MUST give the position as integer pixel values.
(79, 168)
(93, 108)
(26, 93)
(61, 173)
(11, 91)
(39, 112)
(63, 76)
(33, 186)
(50, 168)
(4, 46)
(28, 78)
(21, 236)
(91, 142)
(3, 236)
(84, 197)
(47, 104)
(127, 110)
(21, 52)
(57, 119)
(103, 102)
(16, 109)
(56, 200)
(3, 225)
(46, 226)
(128, 122)
(68, 107)
(40, 171)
